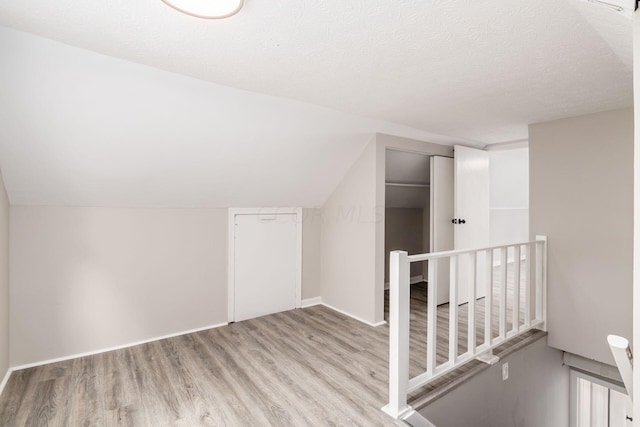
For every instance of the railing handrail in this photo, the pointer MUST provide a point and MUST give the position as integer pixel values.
(478, 264)
(444, 254)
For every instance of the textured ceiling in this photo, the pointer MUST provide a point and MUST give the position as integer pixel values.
(470, 69)
(285, 95)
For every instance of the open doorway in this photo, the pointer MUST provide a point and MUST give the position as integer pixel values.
(410, 219)
(407, 208)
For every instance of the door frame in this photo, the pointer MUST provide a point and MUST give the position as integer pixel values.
(574, 375)
(390, 142)
(233, 212)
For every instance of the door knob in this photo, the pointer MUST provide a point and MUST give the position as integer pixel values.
(462, 221)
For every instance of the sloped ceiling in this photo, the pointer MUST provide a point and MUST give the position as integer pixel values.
(615, 29)
(82, 129)
(288, 92)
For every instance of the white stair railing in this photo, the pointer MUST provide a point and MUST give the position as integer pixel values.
(624, 360)
(475, 267)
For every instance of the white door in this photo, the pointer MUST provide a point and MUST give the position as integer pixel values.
(472, 213)
(441, 206)
(265, 264)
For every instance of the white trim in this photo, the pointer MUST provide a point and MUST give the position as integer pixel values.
(310, 302)
(508, 145)
(119, 347)
(591, 366)
(375, 325)
(574, 375)
(231, 251)
(414, 418)
(5, 380)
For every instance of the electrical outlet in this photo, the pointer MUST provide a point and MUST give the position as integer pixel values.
(505, 371)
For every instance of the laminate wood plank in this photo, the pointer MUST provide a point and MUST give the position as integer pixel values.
(17, 392)
(122, 403)
(202, 388)
(86, 405)
(237, 398)
(59, 411)
(336, 374)
(252, 358)
(309, 366)
(310, 383)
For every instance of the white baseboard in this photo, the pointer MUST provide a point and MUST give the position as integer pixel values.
(416, 279)
(412, 281)
(5, 380)
(310, 302)
(375, 325)
(119, 347)
(354, 317)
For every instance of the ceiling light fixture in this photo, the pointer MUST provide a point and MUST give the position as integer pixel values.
(207, 9)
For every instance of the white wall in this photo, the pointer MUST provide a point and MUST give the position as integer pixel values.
(84, 279)
(581, 197)
(352, 243)
(4, 281)
(535, 395)
(311, 226)
(348, 255)
(509, 200)
(404, 230)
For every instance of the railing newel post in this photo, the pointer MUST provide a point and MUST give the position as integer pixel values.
(399, 308)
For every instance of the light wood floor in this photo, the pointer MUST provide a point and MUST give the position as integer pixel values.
(310, 366)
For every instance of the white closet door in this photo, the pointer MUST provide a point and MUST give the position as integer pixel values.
(441, 205)
(472, 213)
(265, 264)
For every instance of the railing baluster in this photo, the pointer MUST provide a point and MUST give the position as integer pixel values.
(399, 289)
(534, 300)
(432, 315)
(543, 244)
(453, 309)
(516, 288)
(488, 300)
(545, 294)
(527, 287)
(538, 281)
(503, 292)
(471, 307)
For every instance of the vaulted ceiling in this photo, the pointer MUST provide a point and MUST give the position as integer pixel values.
(286, 93)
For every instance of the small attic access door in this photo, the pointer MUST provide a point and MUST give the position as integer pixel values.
(265, 261)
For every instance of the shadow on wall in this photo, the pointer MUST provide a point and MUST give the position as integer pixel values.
(535, 394)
